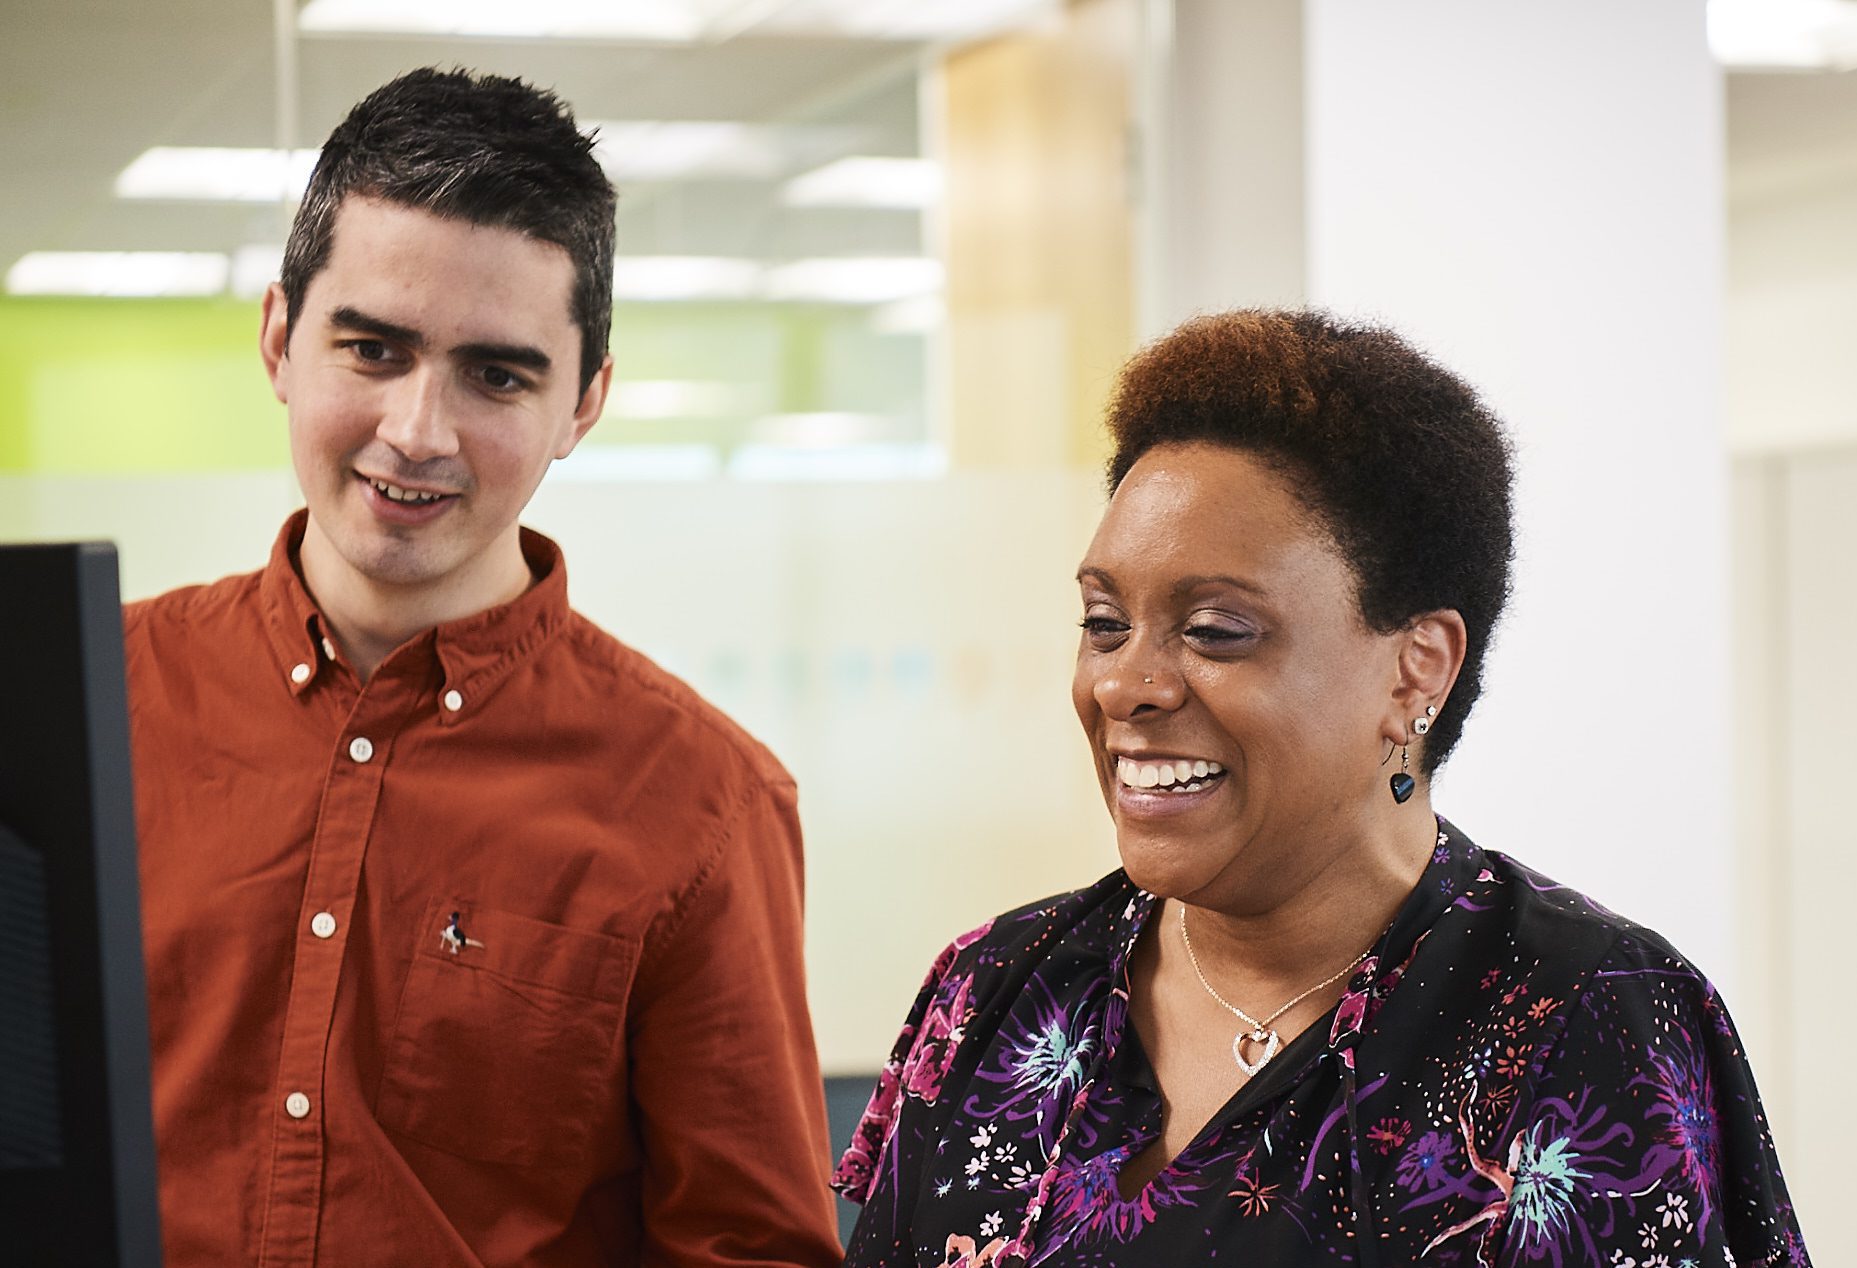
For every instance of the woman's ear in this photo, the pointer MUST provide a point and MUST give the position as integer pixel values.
(1431, 652)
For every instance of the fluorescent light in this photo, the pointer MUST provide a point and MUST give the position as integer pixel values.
(856, 462)
(1784, 34)
(254, 268)
(818, 430)
(138, 274)
(684, 277)
(651, 20)
(903, 183)
(596, 463)
(217, 174)
(918, 315)
(908, 19)
(855, 280)
(673, 398)
(659, 151)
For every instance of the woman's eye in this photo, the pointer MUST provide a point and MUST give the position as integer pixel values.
(1220, 637)
(1103, 630)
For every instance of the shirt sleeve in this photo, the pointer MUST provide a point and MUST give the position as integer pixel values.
(1645, 1145)
(879, 1168)
(724, 1075)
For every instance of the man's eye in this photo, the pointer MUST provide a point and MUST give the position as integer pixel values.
(369, 349)
(499, 379)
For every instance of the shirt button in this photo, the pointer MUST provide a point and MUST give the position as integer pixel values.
(299, 673)
(297, 1105)
(322, 924)
(454, 701)
(328, 649)
(361, 748)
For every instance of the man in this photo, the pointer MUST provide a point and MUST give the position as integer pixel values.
(473, 937)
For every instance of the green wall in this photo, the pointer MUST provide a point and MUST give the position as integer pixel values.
(123, 386)
(135, 385)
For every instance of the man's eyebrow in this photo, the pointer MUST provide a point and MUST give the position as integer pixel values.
(518, 354)
(347, 318)
(509, 353)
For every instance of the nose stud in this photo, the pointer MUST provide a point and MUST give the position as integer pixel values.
(1145, 678)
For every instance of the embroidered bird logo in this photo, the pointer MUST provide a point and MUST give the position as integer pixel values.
(452, 936)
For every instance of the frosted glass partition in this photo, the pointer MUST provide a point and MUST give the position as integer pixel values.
(905, 648)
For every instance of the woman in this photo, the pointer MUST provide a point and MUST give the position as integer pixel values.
(1309, 1022)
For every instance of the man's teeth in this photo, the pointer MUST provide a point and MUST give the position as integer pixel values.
(395, 493)
(1180, 775)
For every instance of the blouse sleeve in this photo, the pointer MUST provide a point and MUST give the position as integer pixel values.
(919, 1060)
(1645, 1145)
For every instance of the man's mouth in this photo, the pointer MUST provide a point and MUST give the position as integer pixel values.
(405, 496)
(1169, 775)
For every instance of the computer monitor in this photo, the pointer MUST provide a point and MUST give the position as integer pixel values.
(77, 1147)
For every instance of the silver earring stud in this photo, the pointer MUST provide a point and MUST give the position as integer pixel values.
(1422, 725)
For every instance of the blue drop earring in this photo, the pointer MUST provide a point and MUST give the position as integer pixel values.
(1402, 783)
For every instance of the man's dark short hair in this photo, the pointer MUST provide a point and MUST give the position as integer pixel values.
(1402, 464)
(478, 148)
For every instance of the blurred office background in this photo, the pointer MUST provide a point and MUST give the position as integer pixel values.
(879, 262)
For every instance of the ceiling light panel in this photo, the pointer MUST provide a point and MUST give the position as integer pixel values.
(685, 277)
(650, 21)
(650, 151)
(1784, 34)
(128, 274)
(854, 280)
(217, 174)
(905, 184)
(673, 398)
(254, 268)
(908, 19)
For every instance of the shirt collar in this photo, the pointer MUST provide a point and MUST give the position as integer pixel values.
(474, 653)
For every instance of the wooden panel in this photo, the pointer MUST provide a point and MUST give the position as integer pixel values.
(1035, 131)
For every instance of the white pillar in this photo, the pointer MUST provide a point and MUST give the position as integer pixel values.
(1532, 193)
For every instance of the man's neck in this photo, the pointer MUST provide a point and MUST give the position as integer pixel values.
(369, 619)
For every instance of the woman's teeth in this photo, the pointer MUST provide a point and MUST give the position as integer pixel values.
(1176, 776)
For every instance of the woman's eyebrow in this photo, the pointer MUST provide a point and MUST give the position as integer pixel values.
(1186, 584)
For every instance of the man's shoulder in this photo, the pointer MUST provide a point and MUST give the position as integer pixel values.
(228, 599)
(644, 697)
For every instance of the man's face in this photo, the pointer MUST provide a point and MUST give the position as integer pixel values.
(432, 375)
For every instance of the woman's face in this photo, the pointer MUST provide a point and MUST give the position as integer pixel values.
(1237, 706)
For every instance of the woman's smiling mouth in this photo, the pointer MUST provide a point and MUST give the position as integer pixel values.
(1171, 775)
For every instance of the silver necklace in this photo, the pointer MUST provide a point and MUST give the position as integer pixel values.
(1268, 1042)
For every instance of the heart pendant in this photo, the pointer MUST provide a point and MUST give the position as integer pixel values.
(1266, 1039)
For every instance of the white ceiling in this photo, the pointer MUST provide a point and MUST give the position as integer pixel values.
(87, 85)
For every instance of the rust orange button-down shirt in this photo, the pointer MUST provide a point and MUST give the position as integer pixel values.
(494, 959)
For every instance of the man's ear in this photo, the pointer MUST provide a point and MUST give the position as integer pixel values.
(274, 340)
(1431, 652)
(592, 403)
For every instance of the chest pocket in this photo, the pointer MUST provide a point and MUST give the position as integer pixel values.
(505, 1049)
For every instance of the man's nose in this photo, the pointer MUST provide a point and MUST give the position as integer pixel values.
(414, 419)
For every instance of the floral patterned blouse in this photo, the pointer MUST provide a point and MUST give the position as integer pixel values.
(1515, 1076)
